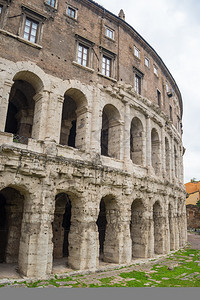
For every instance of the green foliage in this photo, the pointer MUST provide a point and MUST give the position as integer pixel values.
(198, 204)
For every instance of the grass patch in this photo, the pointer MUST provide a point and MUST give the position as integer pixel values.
(106, 280)
(134, 274)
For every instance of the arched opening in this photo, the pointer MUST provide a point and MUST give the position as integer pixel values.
(11, 214)
(136, 142)
(101, 223)
(175, 162)
(61, 226)
(155, 151)
(20, 112)
(107, 223)
(158, 228)
(167, 157)
(139, 230)
(110, 132)
(171, 227)
(74, 119)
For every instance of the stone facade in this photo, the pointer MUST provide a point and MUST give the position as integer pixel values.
(91, 153)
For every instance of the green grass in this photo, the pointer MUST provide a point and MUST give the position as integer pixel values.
(183, 265)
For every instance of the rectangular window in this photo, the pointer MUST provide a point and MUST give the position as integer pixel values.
(30, 30)
(51, 3)
(83, 55)
(109, 33)
(106, 66)
(167, 87)
(71, 12)
(136, 52)
(147, 62)
(159, 98)
(155, 69)
(137, 84)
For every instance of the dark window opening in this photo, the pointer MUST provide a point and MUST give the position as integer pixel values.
(170, 112)
(104, 135)
(68, 125)
(72, 135)
(19, 120)
(159, 98)
(11, 213)
(101, 223)
(61, 226)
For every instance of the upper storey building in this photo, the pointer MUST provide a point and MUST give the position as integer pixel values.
(90, 139)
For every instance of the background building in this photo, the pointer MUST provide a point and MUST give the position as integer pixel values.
(193, 212)
(91, 139)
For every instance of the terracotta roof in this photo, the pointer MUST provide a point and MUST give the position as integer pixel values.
(192, 187)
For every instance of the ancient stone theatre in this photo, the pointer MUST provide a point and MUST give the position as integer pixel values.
(90, 140)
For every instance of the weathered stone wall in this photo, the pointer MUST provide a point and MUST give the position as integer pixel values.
(76, 147)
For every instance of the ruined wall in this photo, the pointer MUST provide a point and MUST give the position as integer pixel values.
(98, 172)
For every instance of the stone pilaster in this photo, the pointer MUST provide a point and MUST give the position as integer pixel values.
(4, 101)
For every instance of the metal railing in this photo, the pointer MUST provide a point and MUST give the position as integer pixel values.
(20, 139)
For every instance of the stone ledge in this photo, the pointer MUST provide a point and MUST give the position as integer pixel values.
(34, 45)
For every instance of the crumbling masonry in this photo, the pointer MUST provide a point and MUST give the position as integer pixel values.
(90, 140)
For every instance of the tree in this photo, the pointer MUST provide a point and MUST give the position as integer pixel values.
(198, 204)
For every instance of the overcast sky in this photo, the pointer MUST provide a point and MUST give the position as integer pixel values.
(172, 28)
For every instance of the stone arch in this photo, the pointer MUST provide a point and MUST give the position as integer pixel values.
(139, 229)
(67, 227)
(110, 132)
(107, 224)
(22, 114)
(136, 141)
(155, 151)
(167, 157)
(74, 119)
(61, 225)
(30, 77)
(158, 229)
(31, 72)
(11, 216)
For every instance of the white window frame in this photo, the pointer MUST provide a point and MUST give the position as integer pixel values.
(109, 33)
(84, 52)
(104, 53)
(147, 62)
(83, 42)
(32, 27)
(27, 13)
(136, 52)
(138, 75)
(48, 2)
(70, 7)
(155, 70)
